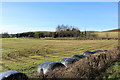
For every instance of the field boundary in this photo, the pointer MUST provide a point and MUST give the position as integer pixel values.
(86, 68)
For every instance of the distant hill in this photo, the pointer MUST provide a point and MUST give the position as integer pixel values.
(42, 31)
(114, 30)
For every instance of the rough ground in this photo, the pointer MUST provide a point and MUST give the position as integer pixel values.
(87, 68)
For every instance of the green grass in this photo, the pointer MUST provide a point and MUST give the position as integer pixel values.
(112, 72)
(25, 55)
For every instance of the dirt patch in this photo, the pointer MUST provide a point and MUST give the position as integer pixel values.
(86, 68)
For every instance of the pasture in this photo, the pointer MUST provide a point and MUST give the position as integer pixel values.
(107, 34)
(24, 55)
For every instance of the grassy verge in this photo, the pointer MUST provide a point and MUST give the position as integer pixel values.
(112, 72)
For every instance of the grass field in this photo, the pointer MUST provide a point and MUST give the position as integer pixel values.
(25, 55)
(108, 34)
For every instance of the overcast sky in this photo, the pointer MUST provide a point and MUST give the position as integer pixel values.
(45, 16)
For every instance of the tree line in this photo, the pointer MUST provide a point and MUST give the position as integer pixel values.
(61, 31)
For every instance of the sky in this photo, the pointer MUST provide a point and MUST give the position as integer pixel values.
(45, 16)
(60, 0)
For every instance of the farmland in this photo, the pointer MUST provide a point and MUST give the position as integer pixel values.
(23, 54)
(107, 34)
